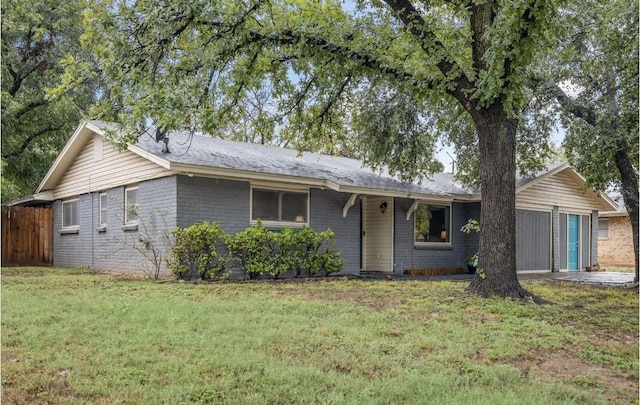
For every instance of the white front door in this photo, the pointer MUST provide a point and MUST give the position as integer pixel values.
(377, 234)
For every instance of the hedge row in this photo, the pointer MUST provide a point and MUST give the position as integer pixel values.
(206, 250)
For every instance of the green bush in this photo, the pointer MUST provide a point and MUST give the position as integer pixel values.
(199, 249)
(315, 252)
(260, 251)
(255, 249)
(331, 261)
(206, 250)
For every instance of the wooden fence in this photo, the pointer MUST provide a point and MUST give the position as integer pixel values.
(27, 236)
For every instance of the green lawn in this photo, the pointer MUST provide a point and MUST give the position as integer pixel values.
(72, 336)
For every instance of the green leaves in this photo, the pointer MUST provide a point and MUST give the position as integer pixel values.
(199, 249)
(207, 251)
(38, 38)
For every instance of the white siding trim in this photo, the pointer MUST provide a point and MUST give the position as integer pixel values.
(115, 169)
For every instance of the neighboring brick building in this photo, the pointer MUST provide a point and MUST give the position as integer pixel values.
(615, 239)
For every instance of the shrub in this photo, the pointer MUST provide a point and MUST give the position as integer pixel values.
(306, 251)
(199, 249)
(255, 250)
(331, 261)
(205, 249)
(315, 252)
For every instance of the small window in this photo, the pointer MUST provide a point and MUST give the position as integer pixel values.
(432, 224)
(70, 214)
(279, 206)
(131, 205)
(603, 228)
(102, 220)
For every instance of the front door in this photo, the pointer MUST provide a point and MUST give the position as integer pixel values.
(377, 234)
(573, 239)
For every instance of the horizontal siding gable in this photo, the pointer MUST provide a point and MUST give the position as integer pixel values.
(89, 173)
(557, 190)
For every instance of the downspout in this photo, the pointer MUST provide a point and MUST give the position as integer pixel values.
(555, 239)
(91, 225)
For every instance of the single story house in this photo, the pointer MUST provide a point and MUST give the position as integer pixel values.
(103, 198)
(615, 238)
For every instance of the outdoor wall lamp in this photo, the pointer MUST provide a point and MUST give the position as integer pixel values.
(383, 207)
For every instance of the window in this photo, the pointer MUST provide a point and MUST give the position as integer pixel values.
(432, 224)
(70, 214)
(603, 228)
(279, 206)
(102, 220)
(131, 205)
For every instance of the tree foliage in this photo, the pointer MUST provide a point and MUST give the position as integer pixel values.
(598, 62)
(37, 38)
(397, 74)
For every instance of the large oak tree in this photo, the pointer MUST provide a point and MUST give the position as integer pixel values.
(448, 67)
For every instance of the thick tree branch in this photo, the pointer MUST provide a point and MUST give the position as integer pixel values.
(369, 61)
(28, 141)
(28, 108)
(569, 105)
(529, 20)
(415, 23)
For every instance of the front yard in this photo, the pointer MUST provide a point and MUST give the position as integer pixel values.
(73, 336)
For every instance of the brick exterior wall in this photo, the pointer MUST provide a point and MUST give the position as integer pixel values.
(326, 212)
(227, 202)
(409, 256)
(205, 199)
(111, 248)
(617, 249)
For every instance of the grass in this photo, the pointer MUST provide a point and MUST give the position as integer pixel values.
(619, 269)
(72, 336)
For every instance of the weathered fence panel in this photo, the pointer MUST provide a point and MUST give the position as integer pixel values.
(27, 236)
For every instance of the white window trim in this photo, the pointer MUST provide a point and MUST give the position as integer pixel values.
(434, 244)
(126, 206)
(101, 223)
(291, 224)
(77, 201)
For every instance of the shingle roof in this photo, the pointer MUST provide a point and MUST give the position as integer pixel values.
(206, 151)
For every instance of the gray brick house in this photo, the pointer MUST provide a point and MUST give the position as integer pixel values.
(105, 200)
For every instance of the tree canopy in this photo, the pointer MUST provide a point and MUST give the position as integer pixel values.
(36, 37)
(598, 58)
(334, 71)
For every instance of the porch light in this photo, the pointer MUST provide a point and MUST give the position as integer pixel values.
(383, 207)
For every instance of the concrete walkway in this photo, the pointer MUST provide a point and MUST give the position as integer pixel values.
(612, 279)
(606, 278)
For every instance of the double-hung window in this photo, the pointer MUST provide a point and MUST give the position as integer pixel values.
(279, 206)
(70, 214)
(131, 205)
(102, 219)
(603, 228)
(432, 224)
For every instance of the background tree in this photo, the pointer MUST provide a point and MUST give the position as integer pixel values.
(443, 66)
(599, 63)
(36, 37)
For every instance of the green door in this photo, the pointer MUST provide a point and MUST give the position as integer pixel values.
(573, 239)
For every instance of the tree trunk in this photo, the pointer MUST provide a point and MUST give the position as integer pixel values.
(497, 253)
(629, 180)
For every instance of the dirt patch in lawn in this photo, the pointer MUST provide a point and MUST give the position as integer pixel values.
(565, 367)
